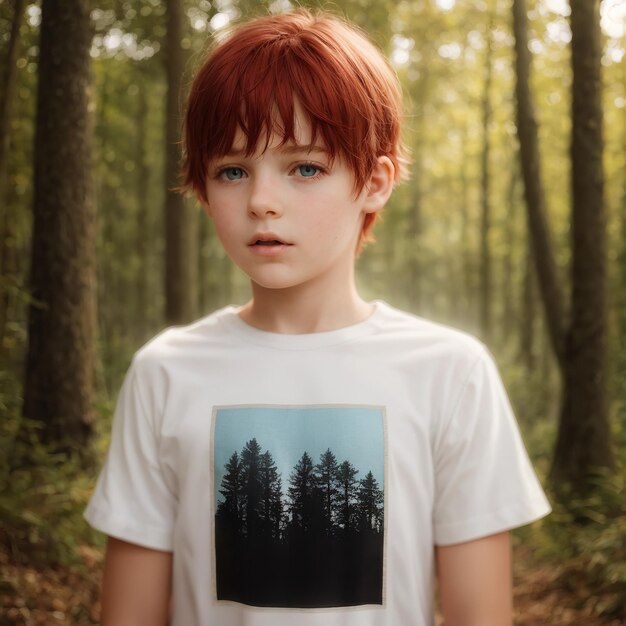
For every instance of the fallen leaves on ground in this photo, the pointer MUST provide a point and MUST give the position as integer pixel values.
(540, 598)
(51, 596)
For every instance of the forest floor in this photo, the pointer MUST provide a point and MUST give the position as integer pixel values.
(53, 596)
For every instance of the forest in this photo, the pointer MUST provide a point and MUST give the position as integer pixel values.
(512, 227)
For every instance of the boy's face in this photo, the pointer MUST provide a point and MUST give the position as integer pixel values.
(292, 194)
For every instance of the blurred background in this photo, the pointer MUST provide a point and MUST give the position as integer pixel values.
(512, 227)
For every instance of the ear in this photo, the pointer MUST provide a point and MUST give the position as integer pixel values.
(380, 185)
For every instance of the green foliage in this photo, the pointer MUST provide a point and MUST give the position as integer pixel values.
(585, 538)
(42, 498)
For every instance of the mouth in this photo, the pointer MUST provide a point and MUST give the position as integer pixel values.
(273, 242)
(267, 240)
(268, 245)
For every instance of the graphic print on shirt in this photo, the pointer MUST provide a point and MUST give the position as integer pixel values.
(299, 505)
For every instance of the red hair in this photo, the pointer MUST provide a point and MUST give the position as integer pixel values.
(252, 78)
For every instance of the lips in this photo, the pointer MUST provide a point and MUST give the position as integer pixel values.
(267, 239)
(268, 245)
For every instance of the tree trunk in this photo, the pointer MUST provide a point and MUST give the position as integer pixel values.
(547, 272)
(510, 317)
(8, 86)
(485, 222)
(413, 233)
(6, 106)
(108, 284)
(467, 259)
(415, 283)
(61, 326)
(467, 255)
(619, 302)
(180, 219)
(142, 315)
(527, 337)
(583, 442)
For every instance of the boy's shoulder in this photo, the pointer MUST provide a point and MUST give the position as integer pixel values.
(413, 332)
(175, 342)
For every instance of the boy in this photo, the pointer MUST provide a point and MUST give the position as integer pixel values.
(309, 457)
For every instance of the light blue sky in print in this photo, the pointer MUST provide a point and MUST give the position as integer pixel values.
(353, 433)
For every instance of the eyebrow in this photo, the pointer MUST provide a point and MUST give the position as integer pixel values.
(290, 148)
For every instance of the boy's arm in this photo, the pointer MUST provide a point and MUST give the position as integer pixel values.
(136, 586)
(475, 582)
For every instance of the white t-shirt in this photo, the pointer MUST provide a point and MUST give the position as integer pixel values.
(304, 479)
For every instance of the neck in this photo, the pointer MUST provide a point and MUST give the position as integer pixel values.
(304, 309)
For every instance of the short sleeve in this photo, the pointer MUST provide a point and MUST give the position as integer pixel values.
(484, 481)
(132, 500)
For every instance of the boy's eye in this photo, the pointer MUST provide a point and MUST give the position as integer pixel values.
(232, 173)
(307, 170)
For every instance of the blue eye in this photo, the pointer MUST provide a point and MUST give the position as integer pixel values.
(306, 170)
(232, 173)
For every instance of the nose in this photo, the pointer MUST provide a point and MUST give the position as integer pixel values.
(264, 198)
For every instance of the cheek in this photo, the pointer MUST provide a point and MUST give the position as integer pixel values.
(332, 220)
(224, 225)
(222, 213)
(225, 229)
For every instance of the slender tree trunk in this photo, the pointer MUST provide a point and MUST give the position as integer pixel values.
(619, 303)
(547, 273)
(142, 300)
(180, 219)
(8, 86)
(467, 256)
(61, 328)
(413, 232)
(414, 219)
(108, 288)
(485, 222)
(509, 321)
(6, 105)
(527, 353)
(583, 442)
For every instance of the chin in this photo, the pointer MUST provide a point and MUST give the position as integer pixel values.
(275, 284)
(274, 280)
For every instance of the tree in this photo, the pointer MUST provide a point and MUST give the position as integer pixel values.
(583, 442)
(142, 288)
(61, 326)
(327, 480)
(8, 84)
(6, 106)
(180, 219)
(231, 508)
(370, 503)
(252, 489)
(347, 488)
(270, 506)
(527, 334)
(547, 274)
(302, 494)
(485, 228)
(414, 219)
(620, 299)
